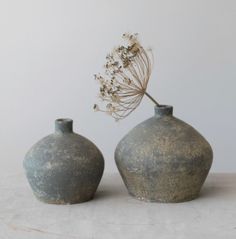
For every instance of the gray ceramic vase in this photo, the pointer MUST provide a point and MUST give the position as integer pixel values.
(163, 159)
(64, 167)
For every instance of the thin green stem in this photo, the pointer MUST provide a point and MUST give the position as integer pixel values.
(151, 98)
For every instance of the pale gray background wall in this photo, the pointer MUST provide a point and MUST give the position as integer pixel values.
(49, 51)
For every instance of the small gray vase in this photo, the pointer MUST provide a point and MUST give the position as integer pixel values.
(163, 159)
(64, 167)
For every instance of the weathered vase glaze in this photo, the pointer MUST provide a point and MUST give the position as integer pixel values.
(64, 167)
(164, 159)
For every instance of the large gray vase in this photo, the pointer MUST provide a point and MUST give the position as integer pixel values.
(164, 159)
(64, 167)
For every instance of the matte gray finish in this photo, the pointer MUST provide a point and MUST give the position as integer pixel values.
(164, 159)
(64, 167)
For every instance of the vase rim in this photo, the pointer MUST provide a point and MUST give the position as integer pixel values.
(63, 120)
(163, 106)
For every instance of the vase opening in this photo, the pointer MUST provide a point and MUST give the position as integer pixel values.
(163, 110)
(64, 125)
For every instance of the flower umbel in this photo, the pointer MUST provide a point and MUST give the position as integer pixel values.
(127, 72)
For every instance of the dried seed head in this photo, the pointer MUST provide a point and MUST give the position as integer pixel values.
(127, 72)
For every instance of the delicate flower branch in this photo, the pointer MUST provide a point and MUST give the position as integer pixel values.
(127, 72)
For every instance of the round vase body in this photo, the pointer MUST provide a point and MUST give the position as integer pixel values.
(64, 167)
(164, 159)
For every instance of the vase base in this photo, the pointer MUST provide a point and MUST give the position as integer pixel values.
(163, 200)
(65, 202)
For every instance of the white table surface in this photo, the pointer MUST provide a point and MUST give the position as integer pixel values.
(114, 214)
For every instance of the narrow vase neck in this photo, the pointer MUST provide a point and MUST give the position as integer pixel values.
(64, 126)
(163, 110)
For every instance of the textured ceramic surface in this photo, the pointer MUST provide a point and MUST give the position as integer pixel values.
(164, 159)
(64, 167)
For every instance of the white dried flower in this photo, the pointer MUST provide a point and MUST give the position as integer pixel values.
(127, 72)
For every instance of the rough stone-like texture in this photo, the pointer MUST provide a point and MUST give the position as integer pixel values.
(64, 167)
(164, 159)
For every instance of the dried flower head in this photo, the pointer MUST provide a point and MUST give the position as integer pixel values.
(127, 72)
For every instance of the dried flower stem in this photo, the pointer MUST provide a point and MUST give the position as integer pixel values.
(151, 98)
